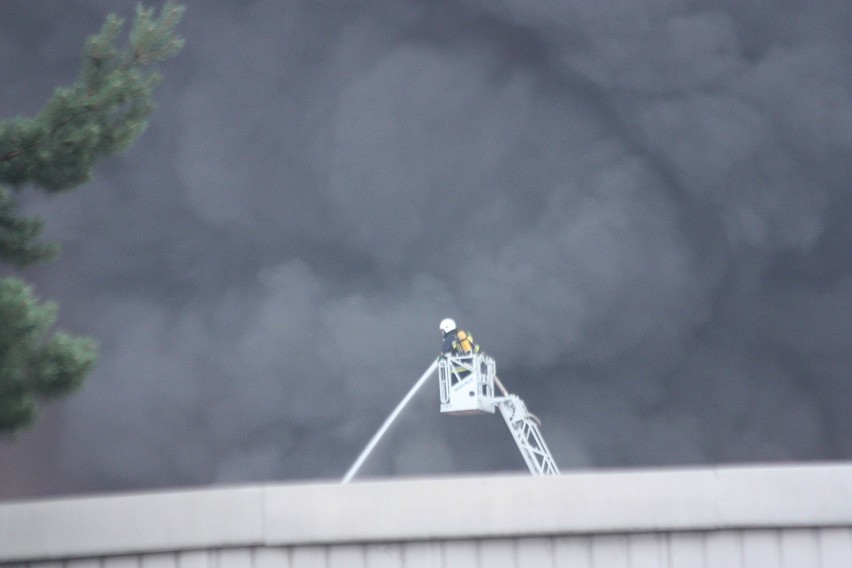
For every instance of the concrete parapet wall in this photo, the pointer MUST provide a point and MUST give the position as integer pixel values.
(782, 509)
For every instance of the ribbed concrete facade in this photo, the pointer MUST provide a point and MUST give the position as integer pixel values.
(763, 517)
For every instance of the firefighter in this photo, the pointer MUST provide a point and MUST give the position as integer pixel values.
(456, 341)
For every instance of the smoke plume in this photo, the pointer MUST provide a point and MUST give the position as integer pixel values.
(641, 210)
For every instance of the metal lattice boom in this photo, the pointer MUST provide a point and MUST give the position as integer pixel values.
(525, 430)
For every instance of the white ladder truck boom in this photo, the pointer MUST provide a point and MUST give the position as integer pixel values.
(467, 384)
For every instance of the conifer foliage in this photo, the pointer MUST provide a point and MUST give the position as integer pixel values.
(101, 113)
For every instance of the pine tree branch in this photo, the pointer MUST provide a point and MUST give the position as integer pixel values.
(101, 113)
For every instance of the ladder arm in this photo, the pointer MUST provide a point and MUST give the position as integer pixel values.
(524, 427)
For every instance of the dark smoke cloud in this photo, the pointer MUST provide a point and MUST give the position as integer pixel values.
(641, 210)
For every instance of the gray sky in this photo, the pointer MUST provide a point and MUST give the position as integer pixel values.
(640, 209)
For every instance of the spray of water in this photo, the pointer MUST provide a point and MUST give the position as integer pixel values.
(365, 453)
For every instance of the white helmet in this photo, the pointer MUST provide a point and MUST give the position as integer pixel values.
(447, 325)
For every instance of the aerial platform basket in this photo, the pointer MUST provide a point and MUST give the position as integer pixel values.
(467, 384)
(467, 387)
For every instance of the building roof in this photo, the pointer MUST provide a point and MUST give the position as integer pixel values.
(612, 502)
